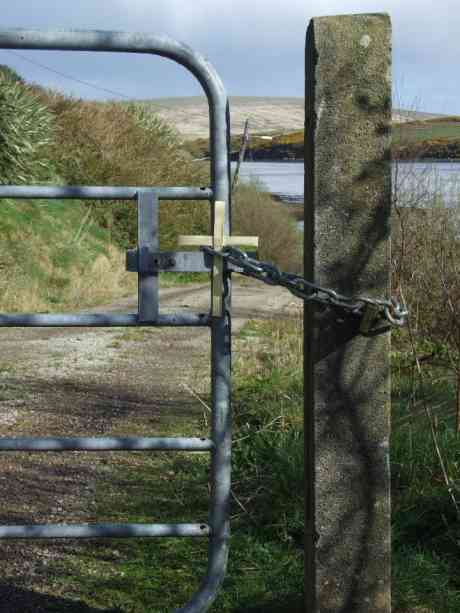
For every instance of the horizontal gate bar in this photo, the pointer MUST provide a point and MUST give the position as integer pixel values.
(89, 192)
(49, 320)
(120, 443)
(46, 531)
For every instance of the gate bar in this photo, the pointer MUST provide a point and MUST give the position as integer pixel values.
(71, 320)
(148, 242)
(113, 443)
(77, 531)
(220, 326)
(89, 192)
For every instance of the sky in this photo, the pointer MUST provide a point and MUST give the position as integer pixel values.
(257, 46)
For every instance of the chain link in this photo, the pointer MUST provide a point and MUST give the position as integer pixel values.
(391, 309)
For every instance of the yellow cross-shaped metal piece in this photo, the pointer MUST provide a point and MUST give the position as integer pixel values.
(218, 241)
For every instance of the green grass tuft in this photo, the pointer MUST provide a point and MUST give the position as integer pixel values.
(426, 531)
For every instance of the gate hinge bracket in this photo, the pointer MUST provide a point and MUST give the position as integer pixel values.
(147, 262)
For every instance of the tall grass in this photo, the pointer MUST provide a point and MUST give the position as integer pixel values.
(114, 144)
(425, 450)
(268, 423)
(53, 257)
(256, 213)
(425, 528)
(26, 131)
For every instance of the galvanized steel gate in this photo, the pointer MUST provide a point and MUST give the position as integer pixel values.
(148, 261)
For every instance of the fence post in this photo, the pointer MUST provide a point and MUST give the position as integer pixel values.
(347, 376)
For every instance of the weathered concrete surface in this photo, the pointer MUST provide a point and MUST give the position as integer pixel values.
(347, 399)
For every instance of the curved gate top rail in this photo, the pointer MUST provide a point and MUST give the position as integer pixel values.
(134, 42)
(147, 198)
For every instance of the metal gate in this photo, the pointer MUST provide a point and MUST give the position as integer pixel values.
(147, 260)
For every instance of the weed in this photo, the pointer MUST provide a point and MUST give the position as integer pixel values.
(425, 527)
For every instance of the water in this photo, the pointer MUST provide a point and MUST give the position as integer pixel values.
(414, 183)
(427, 183)
(282, 179)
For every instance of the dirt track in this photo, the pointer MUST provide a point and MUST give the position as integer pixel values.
(80, 381)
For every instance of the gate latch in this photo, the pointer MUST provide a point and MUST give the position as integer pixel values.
(145, 261)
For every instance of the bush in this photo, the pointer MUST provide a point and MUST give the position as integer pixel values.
(26, 130)
(255, 213)
(114, 144)
(11, 74)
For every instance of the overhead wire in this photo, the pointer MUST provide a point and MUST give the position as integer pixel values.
(65, 76)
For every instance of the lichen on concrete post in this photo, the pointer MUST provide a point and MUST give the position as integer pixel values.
(347, 375)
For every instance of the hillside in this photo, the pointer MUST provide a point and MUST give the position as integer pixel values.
(55, 257)
(276, 128)
(61, 255)
(190, 115)
(266, 114)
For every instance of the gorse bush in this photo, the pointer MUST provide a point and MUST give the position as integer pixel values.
(10, 74)
(256, 213)
(26, 132)
(113, 144)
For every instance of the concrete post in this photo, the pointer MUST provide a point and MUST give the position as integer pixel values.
(347, 375)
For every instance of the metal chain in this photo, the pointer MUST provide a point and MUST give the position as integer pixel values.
(391, 309)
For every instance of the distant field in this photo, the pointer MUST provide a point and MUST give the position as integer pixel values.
(415, 134)
(429, 130)
(267, 115)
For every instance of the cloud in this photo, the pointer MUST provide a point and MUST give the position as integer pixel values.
(256, 45)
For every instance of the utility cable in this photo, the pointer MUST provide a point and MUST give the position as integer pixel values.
(61, 74)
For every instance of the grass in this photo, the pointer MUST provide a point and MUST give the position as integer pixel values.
(426, 531)
(431, 129)
(255, 213)
(55, 257)
(265, 572)
(437, 132)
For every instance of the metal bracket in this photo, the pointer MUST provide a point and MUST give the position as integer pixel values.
(174, 261)
(145, 261)
(371, 321)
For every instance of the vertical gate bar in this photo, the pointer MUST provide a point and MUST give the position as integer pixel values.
(221, 433)
(221, 425)
(221, 344)
(148, 242)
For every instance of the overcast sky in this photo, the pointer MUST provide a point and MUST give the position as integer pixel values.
(257, 46)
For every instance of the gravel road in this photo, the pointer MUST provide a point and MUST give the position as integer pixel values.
(94, 382)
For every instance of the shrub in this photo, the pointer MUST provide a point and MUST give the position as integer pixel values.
(26, 130)
(114, 144)
(256, 213)
(11, 74)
